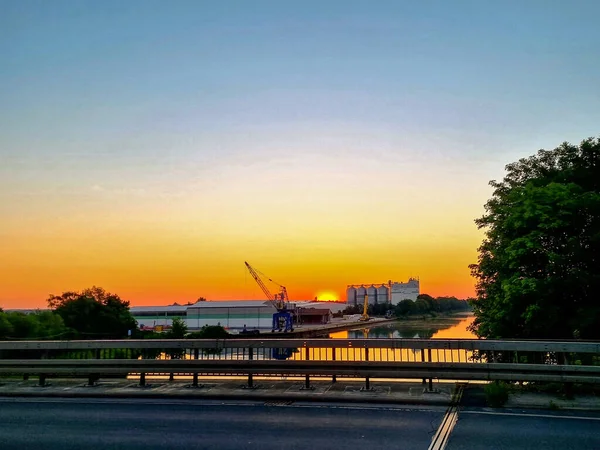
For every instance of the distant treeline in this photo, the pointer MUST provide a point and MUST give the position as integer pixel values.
(424, 305)
(36, 325)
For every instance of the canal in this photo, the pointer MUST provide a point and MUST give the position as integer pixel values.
(448, 327)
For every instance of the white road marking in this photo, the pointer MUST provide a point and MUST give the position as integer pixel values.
(542, 416)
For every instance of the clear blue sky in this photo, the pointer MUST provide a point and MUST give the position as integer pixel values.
(115, 106)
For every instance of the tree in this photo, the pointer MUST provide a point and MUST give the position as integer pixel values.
(94, 313)
(200, 299)
(178, 329)
(405, 308)
(538, 271)
(6, 328)
(35, 325)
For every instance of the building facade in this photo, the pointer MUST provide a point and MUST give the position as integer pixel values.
(391, 292)
(232, 315)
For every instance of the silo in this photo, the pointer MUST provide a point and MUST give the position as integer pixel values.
(351, 295)
(372, 292)
(360, 295)
(382, 294)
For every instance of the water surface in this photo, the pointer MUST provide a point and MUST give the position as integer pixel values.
(452, 327)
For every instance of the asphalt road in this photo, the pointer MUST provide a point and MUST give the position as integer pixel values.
(60, 424)
(535, 430)
(178, 424)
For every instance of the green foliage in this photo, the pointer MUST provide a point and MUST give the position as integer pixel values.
(35, 325)
(405, 308)
(425, 304)
(210, 332)
(178, 329)
(496, 394)
(538, 273)
(6, 328)
(94, 313)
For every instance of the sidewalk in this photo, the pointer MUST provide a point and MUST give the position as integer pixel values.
(267, 390)
(276, 390)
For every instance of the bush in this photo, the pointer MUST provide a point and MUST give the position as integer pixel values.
(496, 394)
(210, 332)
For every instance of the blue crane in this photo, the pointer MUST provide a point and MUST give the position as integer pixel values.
(283, 318)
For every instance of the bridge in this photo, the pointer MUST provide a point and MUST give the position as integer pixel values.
(442, 359)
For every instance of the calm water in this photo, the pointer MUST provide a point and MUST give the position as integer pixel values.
(439, 328)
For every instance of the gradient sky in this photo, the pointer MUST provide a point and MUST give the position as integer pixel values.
(151, 147)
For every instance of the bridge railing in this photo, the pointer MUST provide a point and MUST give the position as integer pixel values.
(369, 358)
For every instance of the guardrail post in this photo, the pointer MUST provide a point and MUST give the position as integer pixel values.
(195, 379)
(91, 377)
(567, 385)
(333, 378)
(142, 379)
(430, 379)
(25, 376)
(42, 380)
(367, 378)
(250, 357)
(307, 385)
(423, 360)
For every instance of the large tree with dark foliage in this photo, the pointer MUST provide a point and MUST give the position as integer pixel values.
(538, 272)
(94, 313)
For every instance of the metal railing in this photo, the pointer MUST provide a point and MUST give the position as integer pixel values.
(464, 359)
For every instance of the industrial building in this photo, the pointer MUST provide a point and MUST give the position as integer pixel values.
(391, 292)
(233, 314)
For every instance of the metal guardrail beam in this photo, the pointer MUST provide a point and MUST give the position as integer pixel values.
(371, 369)
(414, 344)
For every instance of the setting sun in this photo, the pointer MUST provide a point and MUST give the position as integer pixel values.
(327, 296)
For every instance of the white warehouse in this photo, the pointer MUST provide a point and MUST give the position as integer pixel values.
(391, 292)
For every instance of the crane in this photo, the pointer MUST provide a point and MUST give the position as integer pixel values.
(280, 301)
(365, 316)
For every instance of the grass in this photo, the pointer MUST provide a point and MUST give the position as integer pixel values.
(496, 394)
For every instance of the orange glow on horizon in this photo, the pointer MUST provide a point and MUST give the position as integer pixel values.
(153, 251)
(328, 296)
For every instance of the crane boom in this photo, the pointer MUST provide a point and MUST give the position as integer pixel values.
(283, 319)
(262, 285)
(279, 301)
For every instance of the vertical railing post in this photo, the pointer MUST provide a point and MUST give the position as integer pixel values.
(423, 360)
(307, 376)
(430, 379)
(568, 386)
(250, 357)
(333, 378)
(143, 375)
(195, 377)
(367, 378)
(92, 378)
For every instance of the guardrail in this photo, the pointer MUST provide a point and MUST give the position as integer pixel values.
(464, 359)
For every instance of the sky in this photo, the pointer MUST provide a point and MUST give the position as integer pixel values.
(152, 147)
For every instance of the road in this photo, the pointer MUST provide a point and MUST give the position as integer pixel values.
(499, 430)
(162, 424)
(59, 424)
